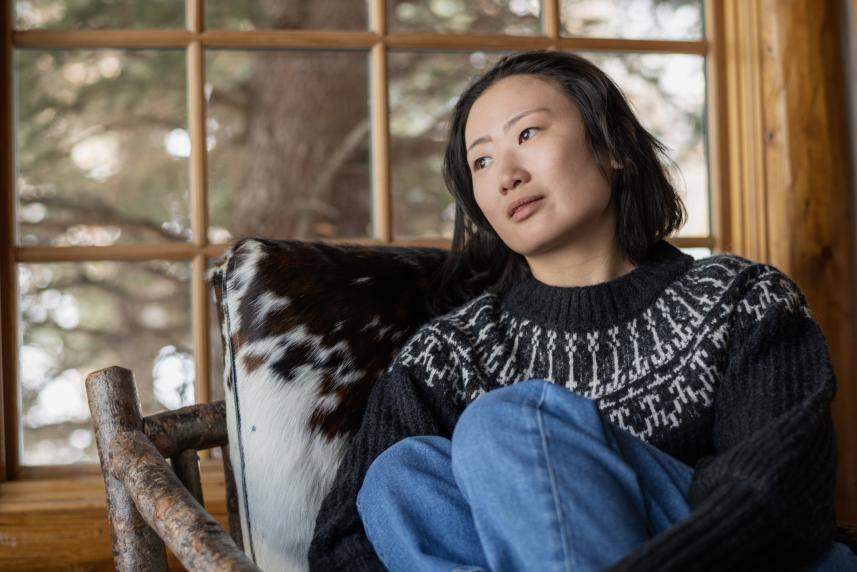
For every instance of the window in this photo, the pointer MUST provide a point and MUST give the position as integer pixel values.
(147, 136)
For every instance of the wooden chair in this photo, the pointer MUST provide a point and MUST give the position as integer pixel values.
(151, 503)
(309, 327)
(353, 305)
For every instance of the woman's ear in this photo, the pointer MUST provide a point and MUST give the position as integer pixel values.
(615, 164)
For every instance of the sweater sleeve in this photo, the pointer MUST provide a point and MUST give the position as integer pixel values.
(764, 500)
(399, 406)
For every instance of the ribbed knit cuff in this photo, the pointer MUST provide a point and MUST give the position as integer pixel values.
(709, 539)
(357, 555)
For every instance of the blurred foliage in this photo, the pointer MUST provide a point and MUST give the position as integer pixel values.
(103, 147)
(79, 317)
(70, 14)
(280, 15)
(655, 19)
(512, 17)
(423, 89)
(97, 133)
(283, 133)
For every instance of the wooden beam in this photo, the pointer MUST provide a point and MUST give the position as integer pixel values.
(382, 203)
(745, 132)
(101, 38)
(166, 251)
(339, 40)
(717, 143)
(552, 21)
(8, 271)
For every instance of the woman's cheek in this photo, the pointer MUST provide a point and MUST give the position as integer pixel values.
(488, 209)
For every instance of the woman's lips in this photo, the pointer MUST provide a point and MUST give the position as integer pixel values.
(524, 211)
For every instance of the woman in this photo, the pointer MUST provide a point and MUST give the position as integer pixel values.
(606, 401)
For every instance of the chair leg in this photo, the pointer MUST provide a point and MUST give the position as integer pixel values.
(115, 408)
(186, 467)
(232, 499)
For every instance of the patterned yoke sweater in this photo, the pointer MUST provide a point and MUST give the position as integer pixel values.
(716, 362)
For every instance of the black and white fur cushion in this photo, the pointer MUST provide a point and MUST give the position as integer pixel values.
(307, 329)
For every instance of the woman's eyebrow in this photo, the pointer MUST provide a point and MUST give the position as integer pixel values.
(507, 125)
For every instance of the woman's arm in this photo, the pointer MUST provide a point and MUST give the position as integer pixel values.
(765, 500)
(398, 407)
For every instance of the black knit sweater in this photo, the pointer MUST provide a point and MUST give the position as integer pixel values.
(716, 362)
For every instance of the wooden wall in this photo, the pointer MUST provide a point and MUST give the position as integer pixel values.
(787, 147)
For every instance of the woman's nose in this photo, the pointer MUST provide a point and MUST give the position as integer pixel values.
(512, 173)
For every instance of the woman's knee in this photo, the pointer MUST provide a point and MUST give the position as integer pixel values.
(392, 467)
(491, 422)
(509, 405)
(494, 418)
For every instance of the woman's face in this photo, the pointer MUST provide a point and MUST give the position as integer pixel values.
(525, 140)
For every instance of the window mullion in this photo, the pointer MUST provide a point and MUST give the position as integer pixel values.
(8, 273)
(551, 19)
(198, 200)
(382, 211)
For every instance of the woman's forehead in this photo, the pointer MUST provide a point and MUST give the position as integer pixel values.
(512, 96)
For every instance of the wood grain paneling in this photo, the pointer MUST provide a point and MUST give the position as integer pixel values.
(789, 176)
(809, 196)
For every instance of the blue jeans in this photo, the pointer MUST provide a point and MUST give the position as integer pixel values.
(533, 479)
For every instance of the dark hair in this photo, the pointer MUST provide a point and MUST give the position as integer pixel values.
(648, 207)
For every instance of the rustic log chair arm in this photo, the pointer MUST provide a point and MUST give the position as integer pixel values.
(150, 503)
(196, 427)
(193, 535)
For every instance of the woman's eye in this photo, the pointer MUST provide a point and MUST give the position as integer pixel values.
(527, 133)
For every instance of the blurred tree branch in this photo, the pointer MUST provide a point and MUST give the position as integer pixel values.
(91, 210)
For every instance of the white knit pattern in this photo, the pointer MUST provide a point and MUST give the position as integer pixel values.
(651, 374)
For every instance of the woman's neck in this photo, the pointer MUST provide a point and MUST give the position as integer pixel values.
(566, 304)
(581, 265)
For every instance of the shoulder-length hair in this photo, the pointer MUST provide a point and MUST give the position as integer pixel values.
(647, 205)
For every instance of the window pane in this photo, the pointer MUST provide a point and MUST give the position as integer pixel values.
(102, 147)
(76, 318)
(667, 93)
(656, 19)
(70, 14)
(697, 252)
(514, 17)
(289, 140)
(423, 89)
(256, 14)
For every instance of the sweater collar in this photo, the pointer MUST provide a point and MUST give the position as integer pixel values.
(598, 305)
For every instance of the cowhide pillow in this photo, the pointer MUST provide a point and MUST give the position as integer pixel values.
(307, 329)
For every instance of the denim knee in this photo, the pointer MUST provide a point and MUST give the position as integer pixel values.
(386, 471)
(479, 419)
(494, 418)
